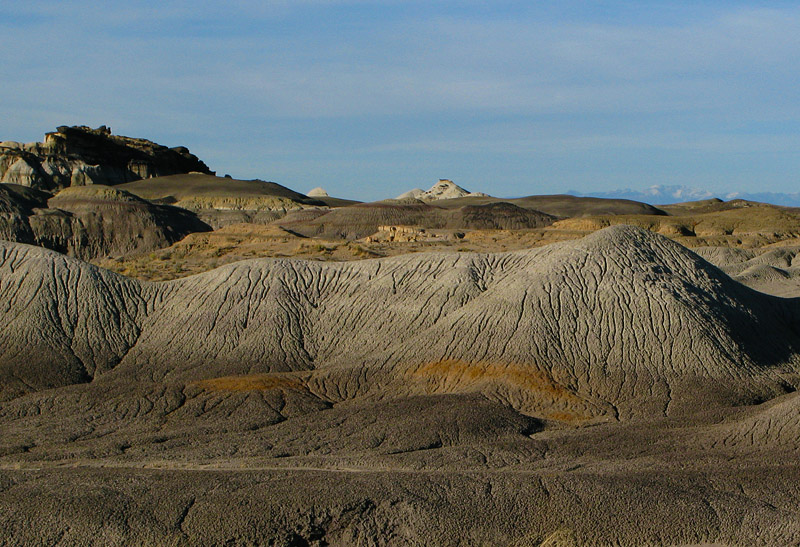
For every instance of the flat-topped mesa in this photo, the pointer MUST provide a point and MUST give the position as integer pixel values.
(80, 155)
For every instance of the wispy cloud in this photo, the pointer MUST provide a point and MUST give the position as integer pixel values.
(399, 79)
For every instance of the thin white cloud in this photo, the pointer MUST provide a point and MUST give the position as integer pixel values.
(444, 65)
(570, 145)
(232, 71)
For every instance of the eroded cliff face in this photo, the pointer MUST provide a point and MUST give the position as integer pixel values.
(80, 155)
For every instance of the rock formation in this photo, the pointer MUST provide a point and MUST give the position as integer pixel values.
(77, 156)
(444, 189)
(414, 193)
(317, 193)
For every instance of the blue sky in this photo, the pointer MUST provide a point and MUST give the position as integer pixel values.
(369, 99)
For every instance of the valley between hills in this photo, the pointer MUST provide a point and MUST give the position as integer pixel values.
(193, 359)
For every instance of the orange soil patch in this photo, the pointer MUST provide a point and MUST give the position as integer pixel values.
(455, 375)
(252, 382)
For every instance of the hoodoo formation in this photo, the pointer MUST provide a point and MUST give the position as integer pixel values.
(80, 155)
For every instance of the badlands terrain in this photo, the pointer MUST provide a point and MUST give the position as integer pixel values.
(189, 359)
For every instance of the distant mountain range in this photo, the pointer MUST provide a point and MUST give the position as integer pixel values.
(665, 194)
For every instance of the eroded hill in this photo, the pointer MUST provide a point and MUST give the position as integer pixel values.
(621, 323)
(91, 222)
(579, 393)
(222, 201)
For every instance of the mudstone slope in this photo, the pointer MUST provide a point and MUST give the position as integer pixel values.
(439, 398)
(364, 219)
(221, 201)
(92, 221)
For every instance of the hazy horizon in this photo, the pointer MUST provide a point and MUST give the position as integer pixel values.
(370, 99)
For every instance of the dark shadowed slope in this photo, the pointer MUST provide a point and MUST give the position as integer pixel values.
(16, 205)
(364, 219)
(91, 221)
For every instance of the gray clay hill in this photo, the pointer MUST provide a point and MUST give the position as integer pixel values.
(613, 390)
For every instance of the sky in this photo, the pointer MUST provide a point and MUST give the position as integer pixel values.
(369, 99)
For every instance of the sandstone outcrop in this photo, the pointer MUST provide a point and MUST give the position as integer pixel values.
(444, 189)
(77, 156)
(317, 193)
(414, 193)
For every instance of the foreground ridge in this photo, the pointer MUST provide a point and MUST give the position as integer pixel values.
(573, 393)
(620, 324)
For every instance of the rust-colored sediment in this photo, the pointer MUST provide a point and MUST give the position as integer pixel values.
(455, 374)
(452, 376)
